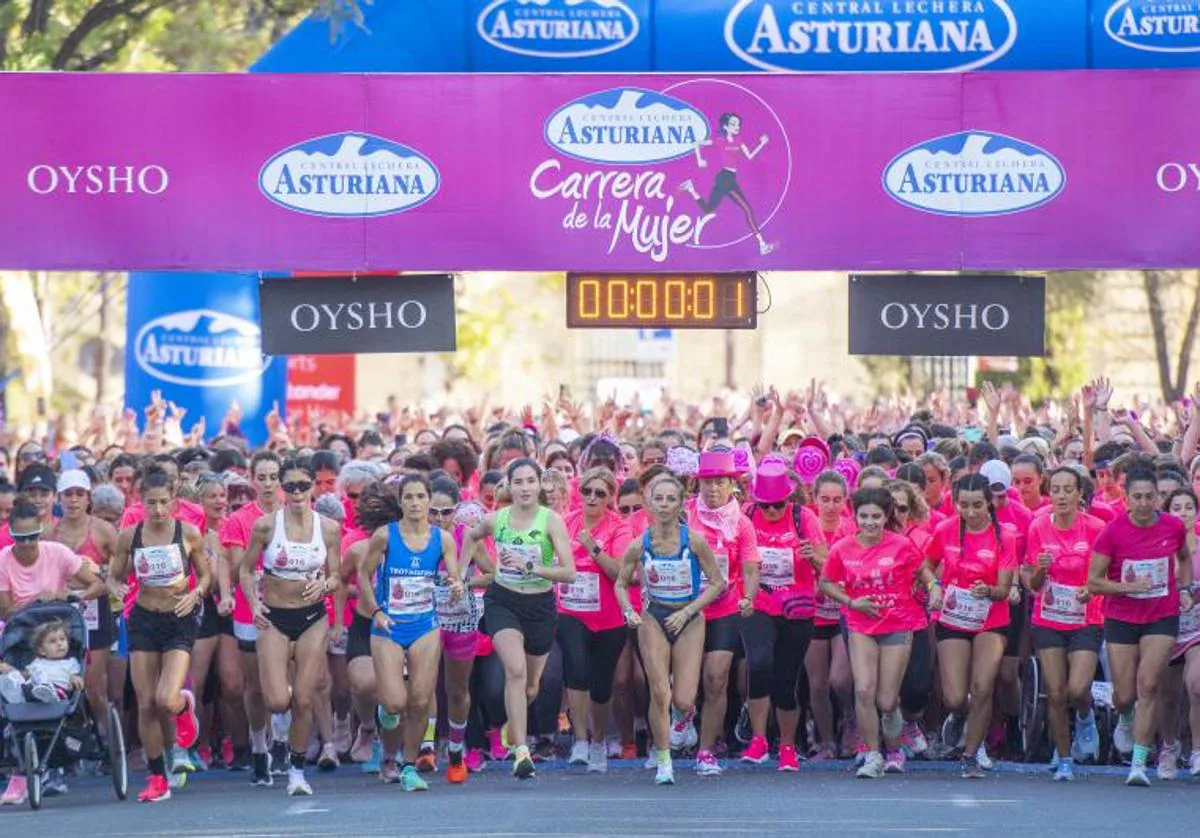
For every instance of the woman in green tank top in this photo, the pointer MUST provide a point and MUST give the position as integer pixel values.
(533, 552)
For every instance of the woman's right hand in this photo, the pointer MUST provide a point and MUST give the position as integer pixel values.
(225, 606)
(260, 615)
(865, 605)
(677, 621)
(632, 618)
(382, 621)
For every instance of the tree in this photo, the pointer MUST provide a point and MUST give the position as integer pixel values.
(1069, 297)
(1172, 296)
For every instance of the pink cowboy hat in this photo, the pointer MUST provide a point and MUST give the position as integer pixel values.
(772, 484)
(715, 464)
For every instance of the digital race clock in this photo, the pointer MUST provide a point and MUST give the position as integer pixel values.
(662, 301)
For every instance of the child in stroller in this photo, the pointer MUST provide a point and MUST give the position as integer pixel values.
(52, 676)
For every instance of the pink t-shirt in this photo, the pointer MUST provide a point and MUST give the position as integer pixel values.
(828, 612)
(786, 577)
(730, 555)
(1071, 554)
(1143, 551)
(591, 598)
(980, 557)
(56, 563)
(886, 572)
(1015, 519)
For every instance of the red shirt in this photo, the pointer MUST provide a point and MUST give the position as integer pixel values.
(786, 577)
(886, 572)
(730, 555)
(1143, 551)
(979, 557)
(1055, 605)
(591, 598)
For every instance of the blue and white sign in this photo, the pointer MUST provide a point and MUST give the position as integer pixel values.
(627, 125)
(832, 36)
(1130, 34)
(196, 338)
(560, 35)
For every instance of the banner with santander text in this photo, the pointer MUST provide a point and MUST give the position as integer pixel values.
(1034, 170)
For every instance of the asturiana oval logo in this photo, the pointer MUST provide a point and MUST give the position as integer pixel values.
(870, 35)
(1155, 25)
(349, 175)
(201, 348)
(974, 173)
(558, 28)
(627, 125)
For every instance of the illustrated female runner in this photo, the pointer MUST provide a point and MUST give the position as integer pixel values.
(732, 150)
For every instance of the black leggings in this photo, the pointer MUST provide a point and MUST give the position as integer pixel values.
(917, 686)
(775, 648)
(589, 658)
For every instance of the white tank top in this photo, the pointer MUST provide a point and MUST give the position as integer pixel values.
(295, 561)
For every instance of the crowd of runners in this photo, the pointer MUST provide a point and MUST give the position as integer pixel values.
(451, 593)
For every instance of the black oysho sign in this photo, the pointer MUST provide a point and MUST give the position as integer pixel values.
(963, 314)
(347, 314)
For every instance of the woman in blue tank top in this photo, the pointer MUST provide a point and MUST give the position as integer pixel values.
(671, 561)
(396, 585)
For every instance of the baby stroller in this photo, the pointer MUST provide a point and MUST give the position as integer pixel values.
(41, 736)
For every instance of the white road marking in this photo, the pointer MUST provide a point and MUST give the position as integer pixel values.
(305, 807)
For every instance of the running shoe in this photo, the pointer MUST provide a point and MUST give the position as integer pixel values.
(297, 784)
(328, 760)
(564, 724)
(389, 771)
(202, 757)
(981, 756)
(683, 733)
(240, 760)
(822, 753)
(1123, 734)
(281, 759)
(651, 760)
(388, 721)
(1065, 773)
(54, 783)
(523, 768)
(1168, 761)
(597, 758)
(758, 751)
(742, 731)
(156, 790)
(612, 747)
(1086, 744)
(17, 791)
(371, 766)
(707, 764)
(342, 736)
(1137, 776)
(181, 761)
(895, 762)
(499, 748)
(972, 770)
(1055, 760)
(629, 750)
(456, 772)
(364, 744)
(851, 740)
(314, 749)
(187, 726)
(411, 779)
(176, 781)
(1194, 762)
(227, 751)
(475, 760)
(789, 760)
(665, 774)
(872, 767)
(427, 761)
(860, 753)
(579, 753)
(954, 729)
(544, 749)
(912, 738)
(261, 764)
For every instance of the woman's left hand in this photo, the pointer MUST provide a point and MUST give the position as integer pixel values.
(314, 590)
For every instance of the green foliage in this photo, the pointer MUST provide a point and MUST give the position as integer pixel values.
(1063, 370)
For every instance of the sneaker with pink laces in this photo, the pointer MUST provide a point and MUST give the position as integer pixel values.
(789, 760)
(894, 764)
(17, 791)
(913, 739)
(475, 760)
(757, 751)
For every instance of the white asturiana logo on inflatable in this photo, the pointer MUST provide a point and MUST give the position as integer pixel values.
(974, 173)
(1155, 25)
(837, 35)
(558, 28)
(349, 175)
(201, 348)
(624, 127)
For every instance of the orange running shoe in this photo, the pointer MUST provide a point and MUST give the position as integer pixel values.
(156, 790)
(427, 762)
(629, 750)
(456, 772)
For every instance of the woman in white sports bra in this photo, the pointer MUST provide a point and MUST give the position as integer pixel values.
(300, 557)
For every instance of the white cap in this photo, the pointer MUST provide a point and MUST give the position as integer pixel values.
(74, 479)
(997, 473)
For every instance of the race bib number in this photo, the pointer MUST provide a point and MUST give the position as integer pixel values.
(1156, 570)
(777, 569)
(91, 614)
(511, 560)
(409, 595)
(962, 610)
(668, 581)
(1061, 604)
(159, 567)
(296, 561)
(722, 566)
(447, 609)
(582, 595)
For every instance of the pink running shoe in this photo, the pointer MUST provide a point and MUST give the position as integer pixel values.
(499, 751)
(475, 760)
(757, 751)
(17, 791)
(894, 764)
(187, 726)
(789, 760)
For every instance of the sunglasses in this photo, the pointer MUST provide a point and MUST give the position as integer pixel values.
(629, 509)
(442, 511)
(26, 537)
(902, 509)
(33, 456)
(776, 506)
(352, 495)
(296, 487)
(594, 493)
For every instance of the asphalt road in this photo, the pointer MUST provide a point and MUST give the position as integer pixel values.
(759, 802)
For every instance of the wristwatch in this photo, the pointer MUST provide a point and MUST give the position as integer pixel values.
(528, 567)
(596, 551)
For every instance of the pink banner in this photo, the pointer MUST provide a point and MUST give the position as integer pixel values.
(434, 173)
